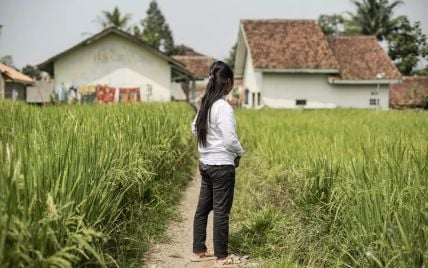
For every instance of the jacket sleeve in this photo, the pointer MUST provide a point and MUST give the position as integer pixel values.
(227, 126)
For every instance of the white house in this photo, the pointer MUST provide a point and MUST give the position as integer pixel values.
(117, 59)
(292, 64)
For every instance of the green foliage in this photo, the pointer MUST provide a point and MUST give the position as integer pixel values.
(8, 60)
(333, 188)
(332, 24)
(156, 31)
(407, 44)
(89, 185)
(32, 71)
(232, 55)
(373, 17)
(114, 18)
(421, 72)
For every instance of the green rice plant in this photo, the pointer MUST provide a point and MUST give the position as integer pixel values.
(89, 185)
(347, 187)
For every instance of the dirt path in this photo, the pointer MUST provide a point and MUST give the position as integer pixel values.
(177, 251)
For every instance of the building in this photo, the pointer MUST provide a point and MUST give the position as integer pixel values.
(292, 64)
(116, 59)
(411, 93)
(13, 84)
(199, 66)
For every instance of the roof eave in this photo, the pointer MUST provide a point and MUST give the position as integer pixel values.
(364, 81)
(241, 56)
(298, 70)
(103, 33)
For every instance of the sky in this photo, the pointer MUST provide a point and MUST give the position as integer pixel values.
(35, 30)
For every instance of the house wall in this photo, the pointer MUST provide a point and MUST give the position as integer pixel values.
(1, 87)
(19, 88)
(40, 92)
(117, 62)
(252, 81)
(282, 91)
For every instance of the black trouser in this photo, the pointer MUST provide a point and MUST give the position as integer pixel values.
(216, 194)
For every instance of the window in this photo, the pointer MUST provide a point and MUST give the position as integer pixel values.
(258, 99)
(254, 99)
(149, 91)
(374, 102)
(247, 95)
(300, 102)
(374, 93)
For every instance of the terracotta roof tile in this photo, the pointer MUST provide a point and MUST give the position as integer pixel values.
(361, 57)
(15, 75)
(288, 44)
(409, 93)
(199, 66)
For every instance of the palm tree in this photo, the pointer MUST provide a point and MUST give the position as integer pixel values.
(373, 17)
(114, 18)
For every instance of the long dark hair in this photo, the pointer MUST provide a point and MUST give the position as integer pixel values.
(221, 75)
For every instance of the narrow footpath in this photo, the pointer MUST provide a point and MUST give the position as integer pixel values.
(177, 250)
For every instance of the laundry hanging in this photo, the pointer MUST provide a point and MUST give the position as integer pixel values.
(86, 90)
(128, 95)
(105, 94)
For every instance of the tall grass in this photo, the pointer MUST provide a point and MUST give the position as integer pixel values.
(333, 188)
(89, 185)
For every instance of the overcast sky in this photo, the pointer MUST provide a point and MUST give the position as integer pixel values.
(35, 30)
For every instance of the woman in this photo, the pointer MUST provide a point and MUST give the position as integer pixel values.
(220, 151)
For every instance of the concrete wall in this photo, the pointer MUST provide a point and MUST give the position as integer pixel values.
(252, 81)
(40, 92)
(20, 90)
(116, 62)
(1, 87)
(282, 91)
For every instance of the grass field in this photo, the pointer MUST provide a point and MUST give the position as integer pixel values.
(89, 185)
(345, 188)
(93, 185)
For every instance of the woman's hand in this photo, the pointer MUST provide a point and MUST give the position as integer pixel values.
(237, 161)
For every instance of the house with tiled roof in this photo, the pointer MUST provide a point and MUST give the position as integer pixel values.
(118, 65)
(411, 93)
(198, 65)
(13, 84)
(292, 64)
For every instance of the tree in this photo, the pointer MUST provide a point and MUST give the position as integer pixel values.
(114, 18)
(421, 72)
(32, 71)
(232, 55)
(373, 17)
(156, 31)
(332, 24)
(407, 44)
(8, 60)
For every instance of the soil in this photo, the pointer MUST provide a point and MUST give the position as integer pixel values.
(177, 249)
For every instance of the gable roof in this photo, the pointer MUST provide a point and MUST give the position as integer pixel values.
(199, 66)
(14, 75)
(288, 44)
(362, 58)
(48, 64)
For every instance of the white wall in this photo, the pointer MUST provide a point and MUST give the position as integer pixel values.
(282, 90)
(117, 62)
(252, 81)
(2, 86)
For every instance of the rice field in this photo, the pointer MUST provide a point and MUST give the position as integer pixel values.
(89, 185)
(333, 188)
(94, 185)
